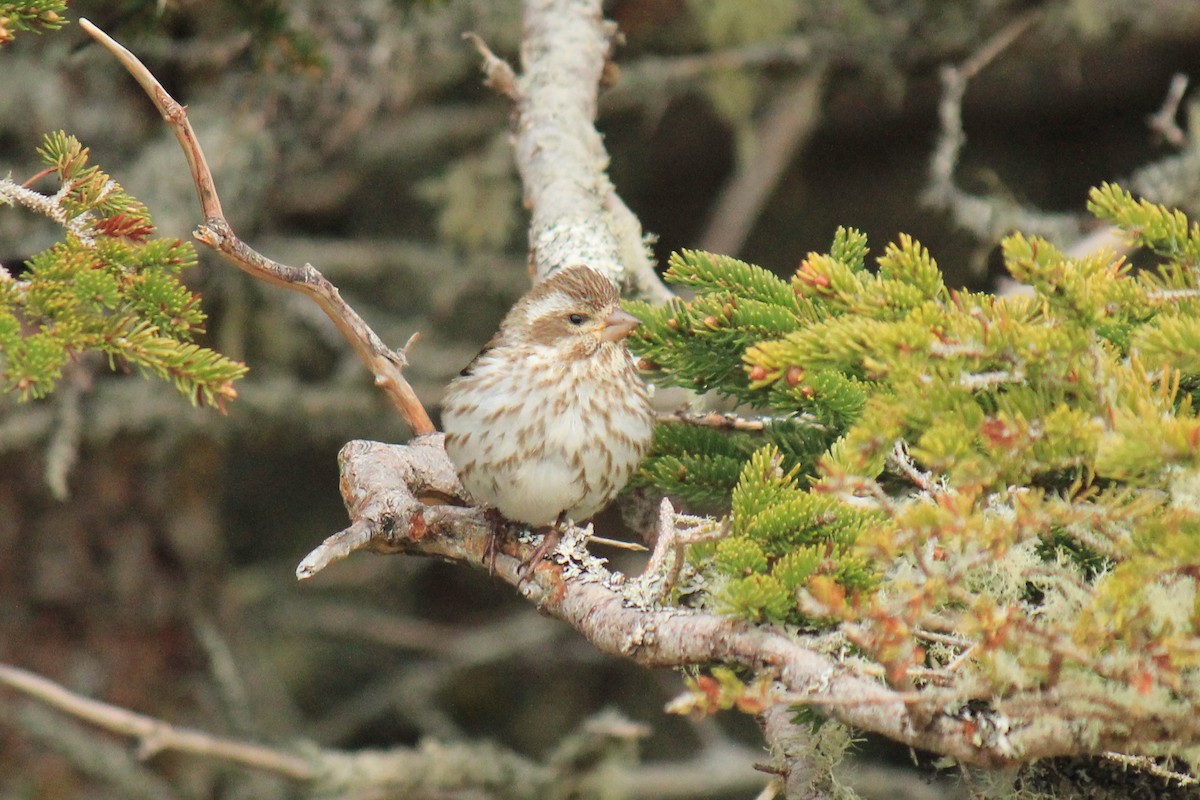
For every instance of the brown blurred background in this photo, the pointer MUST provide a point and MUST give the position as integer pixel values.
(356, 135)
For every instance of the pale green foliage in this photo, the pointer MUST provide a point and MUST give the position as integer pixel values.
(30, 15)
(107, 287)
(1022, 473)
(783, 535)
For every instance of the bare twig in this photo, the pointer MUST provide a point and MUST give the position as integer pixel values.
(1148, 765)
(666, 562)
(985, 217)
(498, 73)
(1164, 121)
(430, 768)
(384, 363)
(656, 73)
(733, 422)
(780, 134)
(900, 459)
(62, 452)
(155, 735)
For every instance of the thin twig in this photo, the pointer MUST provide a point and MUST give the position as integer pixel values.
(784, 128)
(155, 735)
(1164, 121)
(1147, 765)
(384, 363)
(902, 461)
(666, 562)
(498, 73)
(62, 451)
(733, 422)
(984, 216)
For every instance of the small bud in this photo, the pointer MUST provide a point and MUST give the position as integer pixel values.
(757, 373)
(710, 321)
(795, 374)
(646, 365)
(610, 75)
(673, 323)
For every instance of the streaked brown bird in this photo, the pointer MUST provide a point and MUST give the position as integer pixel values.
(549, 422)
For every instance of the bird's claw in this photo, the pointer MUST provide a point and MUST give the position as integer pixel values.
(551, 536)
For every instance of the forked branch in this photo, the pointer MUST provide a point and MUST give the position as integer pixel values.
(385, 364)
(155, 735)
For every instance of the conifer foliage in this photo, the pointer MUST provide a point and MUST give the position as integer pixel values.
(109, 286)
(30, 15)
(996, 496)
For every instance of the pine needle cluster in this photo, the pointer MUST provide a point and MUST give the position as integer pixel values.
(30, 15)
(996, 495)
(108, 286)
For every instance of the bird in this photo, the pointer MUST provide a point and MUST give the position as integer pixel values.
(549, 422)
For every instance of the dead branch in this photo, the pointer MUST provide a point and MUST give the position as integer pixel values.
(429, 768)
(577, 216)
(385, 364)
(498, 74)
(155, 735)
(1164, 120)
(782, 132)
(986, 217)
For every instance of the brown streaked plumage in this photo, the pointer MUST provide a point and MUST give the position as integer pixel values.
(551, 419)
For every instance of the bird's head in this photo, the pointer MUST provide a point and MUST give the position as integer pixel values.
(576, 310)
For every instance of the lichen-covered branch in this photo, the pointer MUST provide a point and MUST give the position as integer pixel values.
(577, 216)
(383, 486)
(430, 769)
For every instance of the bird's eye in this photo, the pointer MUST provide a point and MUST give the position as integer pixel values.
(576, 319)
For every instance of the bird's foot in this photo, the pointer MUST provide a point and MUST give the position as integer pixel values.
(551, 536)
(499, 525)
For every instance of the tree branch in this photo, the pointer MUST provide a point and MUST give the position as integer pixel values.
(782, 132)
(385, 364)
(429, 768)
(155, 735)
(577, 216)
(985, 217)
(383, 486)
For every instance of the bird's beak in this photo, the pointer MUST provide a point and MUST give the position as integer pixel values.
(617, 325)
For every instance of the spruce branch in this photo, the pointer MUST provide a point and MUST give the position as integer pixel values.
(109, 286)
(37, 16)
(384, 363)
